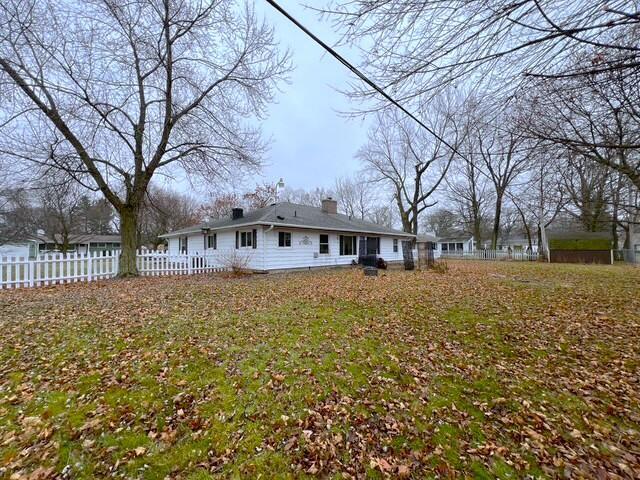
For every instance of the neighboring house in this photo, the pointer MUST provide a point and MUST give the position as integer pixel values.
(78, 243)
(287, 235)
(517, 244)
(15, 249)
(456, 245)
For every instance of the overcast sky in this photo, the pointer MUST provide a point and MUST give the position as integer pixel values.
(312, 143)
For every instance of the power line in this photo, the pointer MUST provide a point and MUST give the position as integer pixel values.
(373, 85)
(361, 75)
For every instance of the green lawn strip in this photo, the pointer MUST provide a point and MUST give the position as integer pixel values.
(461, 383)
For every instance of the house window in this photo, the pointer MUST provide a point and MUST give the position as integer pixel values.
(246, 239)
(459, 246)
(284, 239)
(324, 243)
(395, 245)
(212, 241)
(182, 244)
(347, 245)
(445, 247)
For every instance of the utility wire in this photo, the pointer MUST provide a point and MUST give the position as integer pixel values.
(361, 75)
(373, 85)
(370, 82)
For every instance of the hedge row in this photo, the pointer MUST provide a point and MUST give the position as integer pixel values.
(579, 244)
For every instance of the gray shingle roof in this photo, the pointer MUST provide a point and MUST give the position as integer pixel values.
(454, 239)
(83, 238)
(295, 216)
(426, 237)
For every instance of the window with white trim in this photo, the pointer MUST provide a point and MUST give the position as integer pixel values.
(212, 241)
(246, 239)
(182, 244)
(323, 244)
(395, 245)
(284, 239)
(348, 245)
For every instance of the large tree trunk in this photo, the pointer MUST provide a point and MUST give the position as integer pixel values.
(129, 241)
(414, 220)
(477, 223)
(614, 230)
(496, 222)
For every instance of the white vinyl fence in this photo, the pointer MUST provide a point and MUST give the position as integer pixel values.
(57, 268)
(517, 255)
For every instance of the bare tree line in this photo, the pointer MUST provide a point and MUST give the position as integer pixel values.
(548, 124)
(532, 107)
(115, 94)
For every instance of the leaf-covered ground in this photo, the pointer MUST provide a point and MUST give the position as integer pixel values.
(490, 370)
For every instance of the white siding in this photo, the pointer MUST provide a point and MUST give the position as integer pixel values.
(172, 246)
(304, 250)
(226, 246)
(303, 253)
(14, 250)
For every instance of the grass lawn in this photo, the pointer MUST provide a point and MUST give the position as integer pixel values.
(489, 370)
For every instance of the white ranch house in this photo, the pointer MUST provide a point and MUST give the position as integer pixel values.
(289, 236)
(455, 245)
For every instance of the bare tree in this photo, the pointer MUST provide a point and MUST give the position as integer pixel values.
(356, 198)
(263, 196)
(543, 195)
(468, 186)
(115, 93)
(311, 197)
(596, 117)
(504, 155)
(628, 215)
(417, 47)
(383, 215)
(409, 161)
(164, 211)
(59, 214)
(443, 222)
(588, 190)
(17, 215)
(219, 206)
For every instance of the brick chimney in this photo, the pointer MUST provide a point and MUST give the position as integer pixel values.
(236, 213)
(329, 205)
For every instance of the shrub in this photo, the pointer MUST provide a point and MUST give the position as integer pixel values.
(235, 262)
(440, 266)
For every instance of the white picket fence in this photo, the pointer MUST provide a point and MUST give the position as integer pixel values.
(57, 268)
(516, 255)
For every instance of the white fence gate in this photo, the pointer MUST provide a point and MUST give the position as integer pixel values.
(57, 268)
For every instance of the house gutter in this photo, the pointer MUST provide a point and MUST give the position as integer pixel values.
(291, 225)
